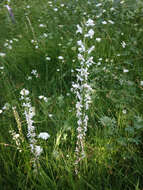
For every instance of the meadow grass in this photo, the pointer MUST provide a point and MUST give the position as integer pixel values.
(39, 53)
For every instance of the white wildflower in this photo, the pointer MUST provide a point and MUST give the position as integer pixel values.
(60, 57)
(104, 22)
(112, 9)
(125, 70)
(45, 35)
(90, 33)
(99, 4)
(123, 44)
(55, 9)
(45, 99)
(29, 78)
(82, 91)
(28, 6)
(41, 97)
(98, 39)
(90, 22)
(43, 135)
(24, 92)
(42, 25)
(5, 44)
(82, 47)
(79, 29)
(91, 49)
(38, 150)
(124, 111)
(141, 83)
(48, 58)
(6, 106)
(2, 54)
(110, 21)
(122, 2)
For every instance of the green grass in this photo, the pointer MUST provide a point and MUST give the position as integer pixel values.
(114, 140)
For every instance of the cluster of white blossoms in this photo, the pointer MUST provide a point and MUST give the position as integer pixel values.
(81, 88)
(29, 113)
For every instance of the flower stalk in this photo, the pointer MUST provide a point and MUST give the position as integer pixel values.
(81, 88)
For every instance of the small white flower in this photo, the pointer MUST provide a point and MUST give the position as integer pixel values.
(90, 33)
(42, 25)
(24, 92)
(110, 21)
(98, 39)
(125, 70)
(5, 44)
(1, 111)
(91, 49)
(141, 83)
(60, 57)
(16, 136)
(82, 47)
(123, 44)
(45, 35)
(90, 22)
(104, 22)
(34, 72)
(41, 97)
(45, 99)
(99, 4)
(99, 63)
(1, 68)
(55, 9)
(15, 39)
(9, 47)
(50, 115)
(8, 7)
(38, 150)
(124, 111)
(44, 135)
(48, 58)
(2, 54)
(112, 9)
(79, 29)
(6, 106)
(80, 57)
(29, 78)
(122, 2)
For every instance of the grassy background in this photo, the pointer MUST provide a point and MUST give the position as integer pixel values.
(114, 141)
